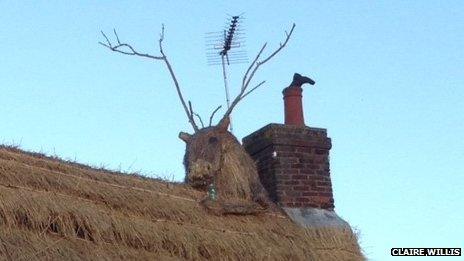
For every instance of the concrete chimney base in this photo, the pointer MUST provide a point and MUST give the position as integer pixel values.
(316, 217)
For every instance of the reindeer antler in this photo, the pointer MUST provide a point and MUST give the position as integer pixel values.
(253, 68)
(127, 49)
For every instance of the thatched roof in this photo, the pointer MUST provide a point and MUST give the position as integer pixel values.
(57, 210)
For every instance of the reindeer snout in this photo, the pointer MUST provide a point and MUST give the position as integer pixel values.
(200, 174)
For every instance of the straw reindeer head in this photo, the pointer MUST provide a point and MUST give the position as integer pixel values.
(203, 157)
(213, 154)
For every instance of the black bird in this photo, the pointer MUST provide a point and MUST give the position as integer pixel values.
(299, 80)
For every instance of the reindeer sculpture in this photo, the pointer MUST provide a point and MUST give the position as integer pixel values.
(213, 155)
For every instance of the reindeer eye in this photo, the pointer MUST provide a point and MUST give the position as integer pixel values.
(213, 140)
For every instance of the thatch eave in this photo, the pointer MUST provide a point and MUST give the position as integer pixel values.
(53, 209)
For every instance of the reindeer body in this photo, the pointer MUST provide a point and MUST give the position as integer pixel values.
(214, 156)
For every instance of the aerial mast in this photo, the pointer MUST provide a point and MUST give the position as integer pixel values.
(223, 48)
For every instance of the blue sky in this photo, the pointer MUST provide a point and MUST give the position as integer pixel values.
(389, 89)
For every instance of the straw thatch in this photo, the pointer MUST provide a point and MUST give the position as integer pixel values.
(56, 210)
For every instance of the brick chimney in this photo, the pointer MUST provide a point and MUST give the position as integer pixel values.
(293, 164)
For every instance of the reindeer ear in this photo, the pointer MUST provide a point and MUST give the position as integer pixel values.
(224, 124)
(185, 136)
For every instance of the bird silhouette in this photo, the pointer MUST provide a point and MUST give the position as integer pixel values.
(299, 80)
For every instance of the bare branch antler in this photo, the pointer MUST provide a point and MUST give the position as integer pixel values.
(127, 49)
(212, 115)
(193, 113)
(250, 72)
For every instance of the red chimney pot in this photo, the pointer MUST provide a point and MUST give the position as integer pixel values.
(293, 106)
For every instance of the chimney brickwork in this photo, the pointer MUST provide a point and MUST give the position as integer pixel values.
(293, 164)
